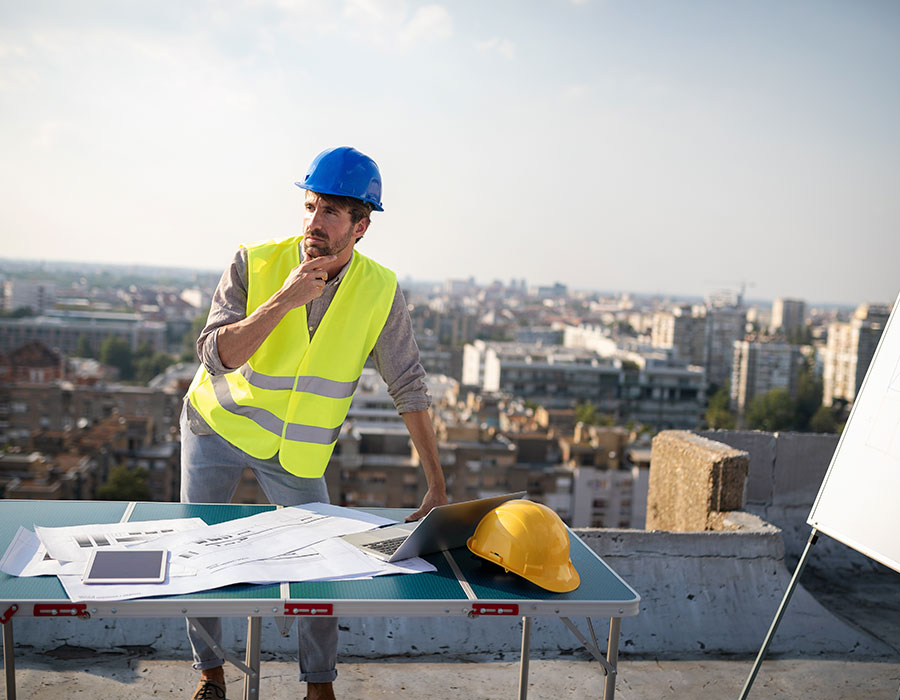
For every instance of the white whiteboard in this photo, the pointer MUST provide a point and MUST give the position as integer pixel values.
(859, 500)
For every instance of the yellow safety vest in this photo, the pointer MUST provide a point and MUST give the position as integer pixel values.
(292, 396)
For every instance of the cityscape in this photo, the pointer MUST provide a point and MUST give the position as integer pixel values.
(553, 391)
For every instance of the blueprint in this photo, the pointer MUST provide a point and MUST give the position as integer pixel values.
(299, 543)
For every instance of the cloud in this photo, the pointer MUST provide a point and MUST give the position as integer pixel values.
(47, 134)
(393, 23)
(504, 47)
(430, 22)
(576, 91)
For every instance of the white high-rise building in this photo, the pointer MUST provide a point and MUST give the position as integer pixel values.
(35, 296)
(789, 315)
(683, 330)
(615, 498)
(849, 351)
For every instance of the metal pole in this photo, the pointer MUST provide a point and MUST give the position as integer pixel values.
(813, 537)
(523, 664)
(9, 662)
(612, 658)
(251, 659)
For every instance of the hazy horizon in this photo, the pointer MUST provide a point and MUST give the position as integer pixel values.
(749, 298)
(650, 147)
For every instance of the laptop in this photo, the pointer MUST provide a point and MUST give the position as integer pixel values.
(444, 527)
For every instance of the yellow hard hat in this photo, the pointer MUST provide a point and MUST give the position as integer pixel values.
(530, 540)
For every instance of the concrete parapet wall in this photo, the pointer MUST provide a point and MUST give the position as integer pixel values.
(701, 593)
(784, 476)
(718, 592)
(693, 480)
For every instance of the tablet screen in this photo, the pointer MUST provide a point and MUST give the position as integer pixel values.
(126, 566)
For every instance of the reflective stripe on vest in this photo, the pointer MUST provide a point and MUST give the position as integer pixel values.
(292, 396)
(269, 421)
(311, 385)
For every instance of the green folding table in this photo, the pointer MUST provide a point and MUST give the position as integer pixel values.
(463, 585)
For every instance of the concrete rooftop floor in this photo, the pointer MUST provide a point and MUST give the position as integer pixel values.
(73, 673)
(869, 601)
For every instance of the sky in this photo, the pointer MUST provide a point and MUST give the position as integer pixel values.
(651, 146)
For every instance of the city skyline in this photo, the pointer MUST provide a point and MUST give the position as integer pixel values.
(194, 274)
(651, 148)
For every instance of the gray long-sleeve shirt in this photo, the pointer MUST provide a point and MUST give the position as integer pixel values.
(395, 355)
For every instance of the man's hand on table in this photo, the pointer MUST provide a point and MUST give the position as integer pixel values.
(432, 499)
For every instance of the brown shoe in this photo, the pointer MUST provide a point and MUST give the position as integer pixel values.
(319, 691)
(209, 690)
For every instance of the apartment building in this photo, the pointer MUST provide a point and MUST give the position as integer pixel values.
(788, 315)
(27, 410)
(452, 327)
(607, 488)
(683, 330)
(612, 498)
(440, 359)
(760, 367)
(849, 350)
(71, 464)
(640, 388)
(62, 330)
(36, 297)
(33, 362)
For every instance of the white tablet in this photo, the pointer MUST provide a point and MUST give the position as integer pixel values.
(126, 566)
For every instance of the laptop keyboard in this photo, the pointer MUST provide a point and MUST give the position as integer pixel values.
(387, 546)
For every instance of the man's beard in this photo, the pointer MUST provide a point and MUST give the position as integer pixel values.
(322, 246)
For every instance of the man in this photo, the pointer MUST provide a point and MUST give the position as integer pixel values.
(289, 330)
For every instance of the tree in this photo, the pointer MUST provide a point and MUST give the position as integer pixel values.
(84, 349)
(809, 397)
(588, 414)
(801, 335)
(147, 367)
(144, 349)
(124, 484)
(771, 411)
(718, 416)
(116, 352)
(823, 421)
(19, 312)
(189, 340)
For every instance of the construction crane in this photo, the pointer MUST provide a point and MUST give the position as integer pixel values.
(727, 288)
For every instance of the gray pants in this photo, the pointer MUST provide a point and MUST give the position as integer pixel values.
(211, 469)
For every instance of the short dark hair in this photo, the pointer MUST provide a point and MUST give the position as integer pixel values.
(358, 208)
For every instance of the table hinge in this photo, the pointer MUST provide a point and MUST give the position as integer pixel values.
(495, 610)
(56, 610)
(319, 609)
(10, 611)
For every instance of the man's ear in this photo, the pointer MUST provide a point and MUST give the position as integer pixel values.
(360, 228)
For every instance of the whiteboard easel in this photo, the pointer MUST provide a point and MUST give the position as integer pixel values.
(858, 495)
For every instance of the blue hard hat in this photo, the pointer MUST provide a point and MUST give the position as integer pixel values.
(346, 172)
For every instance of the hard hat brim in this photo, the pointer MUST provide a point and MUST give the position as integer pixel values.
(322, 190)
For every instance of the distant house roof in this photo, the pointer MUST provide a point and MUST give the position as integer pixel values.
(31, 362)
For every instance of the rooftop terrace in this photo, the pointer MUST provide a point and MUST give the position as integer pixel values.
(708, 597)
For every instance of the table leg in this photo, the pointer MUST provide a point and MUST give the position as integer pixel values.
(612, 657)
(9, 662)
(526, 652)
(251, 680)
